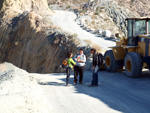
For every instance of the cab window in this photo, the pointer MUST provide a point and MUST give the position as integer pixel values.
(140, 27)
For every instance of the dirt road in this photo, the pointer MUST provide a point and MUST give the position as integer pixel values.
(66, 21)
(115, 94)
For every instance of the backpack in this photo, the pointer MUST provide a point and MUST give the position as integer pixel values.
(64, 63)
(100, 59)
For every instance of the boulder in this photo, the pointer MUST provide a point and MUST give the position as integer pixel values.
(82, 21)
(100, 31)
(106, 33)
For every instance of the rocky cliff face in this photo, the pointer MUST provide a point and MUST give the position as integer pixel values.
(109, 14)
(28, 39)
(68, 1)
(11, 8)
(142, 7)
(118, 11)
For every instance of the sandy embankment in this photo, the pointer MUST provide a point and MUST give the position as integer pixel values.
(20, 92)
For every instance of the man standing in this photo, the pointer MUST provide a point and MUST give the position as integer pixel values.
(95, 68)
(79, 67)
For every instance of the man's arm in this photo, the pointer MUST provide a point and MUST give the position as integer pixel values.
(94, 60)
(84, 59)
(75, 58)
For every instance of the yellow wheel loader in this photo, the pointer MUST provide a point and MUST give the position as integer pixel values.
(132, 52)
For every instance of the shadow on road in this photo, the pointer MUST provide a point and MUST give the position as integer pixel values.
(52, 83)
(127, 95)
(121, 93)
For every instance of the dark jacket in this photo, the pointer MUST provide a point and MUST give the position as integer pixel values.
(95, 60)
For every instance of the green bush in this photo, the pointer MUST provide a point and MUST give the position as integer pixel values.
(97, 9)
(96, 13)
(68, 7)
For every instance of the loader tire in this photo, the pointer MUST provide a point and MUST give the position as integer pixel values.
(133, 64)
(110, 63)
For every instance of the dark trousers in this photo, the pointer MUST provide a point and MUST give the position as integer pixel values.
(68, 73)
(78, 70)
(95, 76)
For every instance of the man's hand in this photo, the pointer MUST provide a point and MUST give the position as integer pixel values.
(79, 61)
(93, 67)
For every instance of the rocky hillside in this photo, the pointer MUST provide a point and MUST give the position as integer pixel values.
(68, 1)
(108, 15)
(28, 39)
(142, 7)
(104, 15)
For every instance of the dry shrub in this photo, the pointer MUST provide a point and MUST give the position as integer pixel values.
(96, 46)
(56, 27)
(75, 35)
(94, 17)
(77, 42)
(88, 42)
(73, 39)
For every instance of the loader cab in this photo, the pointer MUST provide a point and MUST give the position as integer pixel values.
(135, 27)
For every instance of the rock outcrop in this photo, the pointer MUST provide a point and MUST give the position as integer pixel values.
(109, 15)
(142, 7)
(67, 1)
(28, 39)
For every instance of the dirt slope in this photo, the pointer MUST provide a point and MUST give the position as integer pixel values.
(28, 39)
(20, 92)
